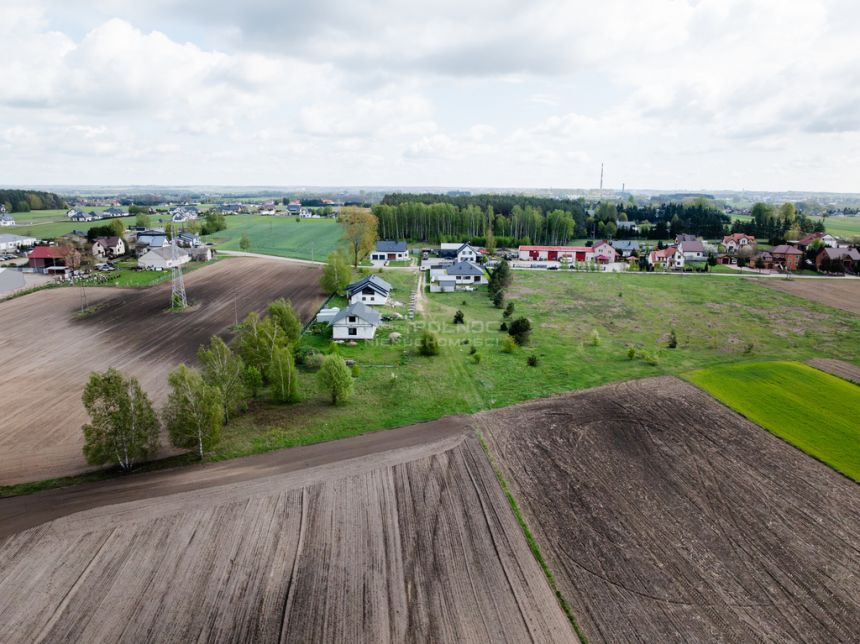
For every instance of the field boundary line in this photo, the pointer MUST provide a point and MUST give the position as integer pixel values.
(531, 541)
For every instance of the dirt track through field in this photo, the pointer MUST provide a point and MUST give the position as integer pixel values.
(839, 368)
(47, 353)
(839, 293)
(667, 517)
(412, 545)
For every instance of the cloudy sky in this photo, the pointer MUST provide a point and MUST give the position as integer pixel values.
(714, 94)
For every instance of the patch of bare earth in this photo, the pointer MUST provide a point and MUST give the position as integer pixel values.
(839, 368)
(668, 518)
(415, 545)
(839, 293)
(47, 351)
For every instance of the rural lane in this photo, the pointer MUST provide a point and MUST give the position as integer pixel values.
(24, 512)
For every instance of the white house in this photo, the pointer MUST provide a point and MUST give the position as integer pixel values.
(372, 290)
(10, 243)
(444, 279)
(160, 259)
(109, 247)
(149, 239)
(669, 258)
(356, 322)
(7, 220)
(460, 252)
(604, 252)
(694, 251)
(390, 251)
(736, 241)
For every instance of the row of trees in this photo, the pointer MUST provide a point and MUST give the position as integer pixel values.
(27, 200)
(777, 224)
(124, 427)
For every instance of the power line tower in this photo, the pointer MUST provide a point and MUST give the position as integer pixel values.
(178, 300)
(600, 194)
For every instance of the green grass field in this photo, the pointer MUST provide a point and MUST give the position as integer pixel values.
(282, 236)
(846, 227)
(814, 411)
(717, 321)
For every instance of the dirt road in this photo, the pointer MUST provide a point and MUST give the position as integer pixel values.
(412, 545)
(47, 351)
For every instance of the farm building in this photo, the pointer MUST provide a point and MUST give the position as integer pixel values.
(390, 251)
(7, 220)
(356, 322)
(602, 252)
(159, 259)
(734, 242)
(372, 290)
(108, 247)
(669, 258)
(12, 243)
(200, 253)
(786, 256)
(848, 259)
(464, 252)
(43, 258)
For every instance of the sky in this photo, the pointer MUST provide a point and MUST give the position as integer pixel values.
(668, 94)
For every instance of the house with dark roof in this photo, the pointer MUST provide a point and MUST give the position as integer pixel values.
(108, 247)
(694, 250)
(685, 237)
(149, 239)
(372, 290)
(464, 252)
(841, 259)
(456, 276)
(786, 256)
(626, 248)
(390, 251)
(7, 220)
(113, 212)
(356, 322)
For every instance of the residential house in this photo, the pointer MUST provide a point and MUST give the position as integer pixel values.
(44, 258)
(390, 251)
(200, 253)
(734, 242)
(670, 258)
(788, 257)
(459, 252)
(109, 247)
(693, 250)
(149, 239)
(7, 220)
(294, 207)
(685, 237)
(79, 215)
(827, 239)
(160, 259)
(604, 253)
(188, 240)
(627, 226)
(228, 208)
(626, 248)
(848, 258)
(356, 322)
(445, 278)
(113, 212)
(13, 243)
(184, 213)
(267, 208)
(763, 260)
(372, 290)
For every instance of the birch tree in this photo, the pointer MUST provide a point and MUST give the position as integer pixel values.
(193, 414)
(123, 427)
(225, 370)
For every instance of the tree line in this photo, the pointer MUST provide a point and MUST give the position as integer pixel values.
(27, 200)
(124, 426)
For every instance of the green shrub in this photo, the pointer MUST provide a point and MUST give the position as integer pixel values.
(429, 344)
(476, 358)
(458, 317)
(672, 342)
(356, 370)
(532, 360)
(472, 350)
(521, 330)
(594, 338)
(508, 344)
(509, 310)
(631, 353)
(314, 361)
(503, 326)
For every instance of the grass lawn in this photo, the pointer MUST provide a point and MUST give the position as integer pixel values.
(717, 322)
(814, 411)
(48, 229)
(847, 227)
(282, 236)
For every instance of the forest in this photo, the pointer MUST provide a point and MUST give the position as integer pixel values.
(27, 200)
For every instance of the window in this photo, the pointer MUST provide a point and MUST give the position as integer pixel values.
(352, 319)
(353, 331)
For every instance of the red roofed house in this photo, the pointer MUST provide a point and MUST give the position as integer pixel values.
(736, 241)
(849, 258)
(787, 256)
(669, 258)
(825, 238)
(45, 257)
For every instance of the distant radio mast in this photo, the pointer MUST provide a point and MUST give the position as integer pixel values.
(600, 193)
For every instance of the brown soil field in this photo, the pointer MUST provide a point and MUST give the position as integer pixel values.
(666, 517)
(47, 351)
(840, 368)
(839, 293)
(412, 545)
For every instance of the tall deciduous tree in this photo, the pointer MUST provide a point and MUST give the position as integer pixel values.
(123, 427)
(283, 376)
(335, 378)
(258, 339)
(225, 370)
(282, 313)
(194, 413)
(360, 227)
(336, 274)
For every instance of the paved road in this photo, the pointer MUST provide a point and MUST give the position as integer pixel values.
(23, 512)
